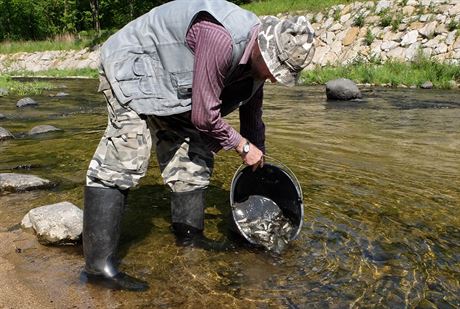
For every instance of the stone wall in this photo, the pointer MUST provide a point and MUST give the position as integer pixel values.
(397, 29)
(387, 29)
(40, 61)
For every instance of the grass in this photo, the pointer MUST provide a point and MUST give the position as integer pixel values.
(86, 72)
(273, 7)
(23, 88)
(11, 47)
(390, 73)
(62, 42)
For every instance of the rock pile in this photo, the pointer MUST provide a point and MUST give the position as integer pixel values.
(364, 31)
(41, 61)
(388, 29)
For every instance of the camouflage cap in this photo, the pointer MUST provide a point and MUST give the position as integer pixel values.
(287, 46)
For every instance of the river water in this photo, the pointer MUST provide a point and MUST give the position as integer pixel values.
(381, 186)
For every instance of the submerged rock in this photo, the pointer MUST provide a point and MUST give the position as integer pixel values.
(2, 116)
(56, 224)
(342, 89)
(42, 129)
(21, 182)
(5, 134)
(26, 102)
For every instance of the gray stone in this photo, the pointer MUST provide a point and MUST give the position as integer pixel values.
(2, 116)
(428, 30)
(42, 129)
(26, 102)
(21, 182)
(451, 37)
(427, 85)
(3, 92)
(5, 134)
(452, 84)
(388, 45)
(440, 49)
(56, 224)
(342, 89)
(382, 5)
(409, 38)
(455, 10)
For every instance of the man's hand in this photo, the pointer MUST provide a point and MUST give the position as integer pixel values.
(254, 157)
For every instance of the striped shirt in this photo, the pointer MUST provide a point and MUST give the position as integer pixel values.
(212, 46)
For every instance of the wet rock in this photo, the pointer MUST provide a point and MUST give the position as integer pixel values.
(59, 94)
(427, 85)
(26, 102)
(42, 129)
(21, 182)
(342, 89)
(2, 116)
(5, 134)
(56, 224)
(3, 92)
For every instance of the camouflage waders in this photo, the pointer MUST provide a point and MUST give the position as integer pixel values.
(122, 156)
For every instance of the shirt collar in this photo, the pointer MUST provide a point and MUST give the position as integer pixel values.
(250, 46)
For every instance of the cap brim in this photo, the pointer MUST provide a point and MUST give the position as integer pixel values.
(280, 71)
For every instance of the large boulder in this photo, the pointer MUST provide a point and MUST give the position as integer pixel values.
(21, 182)
(5, 134)
(42, 129)
(342, 89)
(56, 224)
(24, 102)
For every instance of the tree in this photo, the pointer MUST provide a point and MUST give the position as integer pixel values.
(95, 13)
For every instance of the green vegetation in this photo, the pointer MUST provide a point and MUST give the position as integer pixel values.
(23, 88)
(396, 22)
(11, 47)
(390, 73)
(359, 21)
(453, 25)
(370, 37)
(86, 73)
(385, 18)
(273, 7)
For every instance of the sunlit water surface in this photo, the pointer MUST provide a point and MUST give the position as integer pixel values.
(381, 186)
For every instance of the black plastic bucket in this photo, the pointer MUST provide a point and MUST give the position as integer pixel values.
(275, 184)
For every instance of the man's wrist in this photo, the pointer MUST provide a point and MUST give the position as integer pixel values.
(242, 146)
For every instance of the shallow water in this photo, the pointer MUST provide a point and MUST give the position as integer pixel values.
(381, 185)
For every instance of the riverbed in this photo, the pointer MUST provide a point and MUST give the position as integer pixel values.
(381, 189)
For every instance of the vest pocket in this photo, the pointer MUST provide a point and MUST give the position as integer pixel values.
(182, 82)
(136, 77)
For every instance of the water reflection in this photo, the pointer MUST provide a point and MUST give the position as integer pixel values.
(381, 183)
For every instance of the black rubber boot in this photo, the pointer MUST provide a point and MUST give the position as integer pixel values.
(101, 231)
(187, 214)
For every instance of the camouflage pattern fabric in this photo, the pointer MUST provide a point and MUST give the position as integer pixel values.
(287, 46)
(122, 156)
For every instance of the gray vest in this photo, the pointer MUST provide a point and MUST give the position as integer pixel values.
(149, 65)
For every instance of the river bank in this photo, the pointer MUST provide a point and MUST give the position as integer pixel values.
(360, 34)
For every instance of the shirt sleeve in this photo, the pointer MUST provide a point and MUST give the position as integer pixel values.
(251, 124)
(213, 58)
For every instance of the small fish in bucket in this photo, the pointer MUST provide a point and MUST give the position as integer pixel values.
(267, 205)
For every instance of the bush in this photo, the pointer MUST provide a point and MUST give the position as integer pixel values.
(369, 39)
(359, 21)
